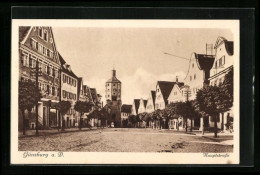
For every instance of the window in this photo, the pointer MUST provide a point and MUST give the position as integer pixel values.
(48, 89)
(220, 61)
(216, 64)
(194, 76)
(192, 65)
(48, 52)
(40, 86)
(44, 50)
(45, 35)
(30, 62)
(53, 72)
(36, 45)
(53, 91)
(114, 84)
(48, 70)
(40, 31)
(24, 60)
(64, 93)
(108, 84)
(51, 54)
(190, 78)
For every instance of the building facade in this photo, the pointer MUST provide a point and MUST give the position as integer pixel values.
(113, 98)
(223, 63)
(69, 90)
(37, 46)
(163, 90)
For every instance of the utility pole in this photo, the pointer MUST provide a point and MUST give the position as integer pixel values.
(187, 93)
(37, 82)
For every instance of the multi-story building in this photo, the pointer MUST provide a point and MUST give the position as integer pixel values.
(150, 102)
(37, 46)
(198, 77)
(198, 72)
(163, 90)
(223, 63)
(69, 90)
(113, 97)
(125, 112)
(177, 93)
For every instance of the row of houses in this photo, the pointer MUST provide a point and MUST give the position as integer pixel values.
(204, 70)
(56, 80)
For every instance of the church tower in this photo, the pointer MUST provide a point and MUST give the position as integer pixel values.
(113, 98)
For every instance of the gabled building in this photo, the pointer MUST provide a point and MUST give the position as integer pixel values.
(150, 102)
(198, 77)
(198, 72)
(37, 45)
(69, 90)
(81, 93)
(163, 90)
(177, 93)
(223, 63)
(135, 107)
(142, 106)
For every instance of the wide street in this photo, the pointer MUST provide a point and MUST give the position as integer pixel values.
(126, 140)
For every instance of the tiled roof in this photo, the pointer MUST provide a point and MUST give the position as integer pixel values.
(145, 103)
(136, 103)
(23, 31)
(166, 87)
(113, 80)
(64, 67)
(205, 62)
(126, 108)
(153, 96)
(229, 47)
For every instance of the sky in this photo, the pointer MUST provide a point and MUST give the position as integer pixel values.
(137, 54)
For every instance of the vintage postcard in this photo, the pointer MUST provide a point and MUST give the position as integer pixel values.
(125, 92)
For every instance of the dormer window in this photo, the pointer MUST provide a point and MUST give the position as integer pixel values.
(45, 34)
(40, 32)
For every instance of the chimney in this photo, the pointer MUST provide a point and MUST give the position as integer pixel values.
(176, 79)
(114, 73)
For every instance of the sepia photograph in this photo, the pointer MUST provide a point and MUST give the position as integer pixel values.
(108, 91)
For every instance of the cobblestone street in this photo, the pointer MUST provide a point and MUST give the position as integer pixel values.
(126, 140)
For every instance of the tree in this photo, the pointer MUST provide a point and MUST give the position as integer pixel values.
(83, 107)
(226, 96)
(208, 100)
(28, 97)
(200, 113)
(103, 116)
(63, 107)
(132, 119)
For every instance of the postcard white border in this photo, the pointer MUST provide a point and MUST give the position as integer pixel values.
(118, 157)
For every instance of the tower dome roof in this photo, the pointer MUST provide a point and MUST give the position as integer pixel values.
(113, 79)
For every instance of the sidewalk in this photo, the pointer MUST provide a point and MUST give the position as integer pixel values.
(31, 133)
